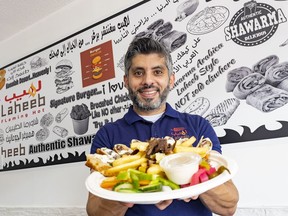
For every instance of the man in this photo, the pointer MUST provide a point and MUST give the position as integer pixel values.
(149, 78)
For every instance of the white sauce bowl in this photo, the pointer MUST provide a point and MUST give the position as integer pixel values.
(180, 167)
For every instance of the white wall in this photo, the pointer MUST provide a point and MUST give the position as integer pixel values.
(261, 180)
(73, 18)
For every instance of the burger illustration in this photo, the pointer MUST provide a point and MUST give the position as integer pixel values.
(63, 79)
(97, 67)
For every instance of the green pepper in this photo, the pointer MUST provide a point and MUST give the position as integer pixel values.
(135, 180)
(134, 176)
(123, 176)
(221, 169)
(141, 175)
(167, 182)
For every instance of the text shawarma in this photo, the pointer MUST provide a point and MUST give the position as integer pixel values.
(254, 24)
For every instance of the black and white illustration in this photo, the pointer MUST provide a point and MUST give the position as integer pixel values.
(186, 8)
(267, 98)
(264, 86)
(80, 114)
(207, 20)
(198, 107)
(2, 137)
(60, 131)
(264, 64)
(38, 62)
(220, 114)
(234, 76)
(61, 115)
(248, 84)
(45, 122)
(164, 32)
(42, 134)
(63, 80)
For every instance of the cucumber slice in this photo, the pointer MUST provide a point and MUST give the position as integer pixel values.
(128, 190)
(151, 188)
(122, 185)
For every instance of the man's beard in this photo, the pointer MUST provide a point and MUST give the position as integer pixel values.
(148, 104)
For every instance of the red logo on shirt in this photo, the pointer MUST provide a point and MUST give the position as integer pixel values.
(179, 132)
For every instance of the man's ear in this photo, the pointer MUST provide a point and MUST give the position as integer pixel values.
(125, 80)
(172, 81)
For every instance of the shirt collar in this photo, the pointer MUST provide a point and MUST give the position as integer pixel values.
(131, 116)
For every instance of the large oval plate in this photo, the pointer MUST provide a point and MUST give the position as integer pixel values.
(207, 20)
(94, 180)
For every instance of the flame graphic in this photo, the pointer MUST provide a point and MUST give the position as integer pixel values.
(260, 133)
(52, 160)
(32, 90)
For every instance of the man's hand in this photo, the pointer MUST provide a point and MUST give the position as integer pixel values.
(129, 205)
(163, 204)
(192, 198)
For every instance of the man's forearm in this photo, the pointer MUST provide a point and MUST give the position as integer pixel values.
(97, 206)
(222, 200)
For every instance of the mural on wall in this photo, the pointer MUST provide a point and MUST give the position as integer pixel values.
(230, 64)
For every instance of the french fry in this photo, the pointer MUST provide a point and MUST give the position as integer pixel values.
(202, 151)
(109, 182)
(181, 140)
(188, 142)
(154, 169)
(126, 159)
(113, 171)
(143, 167)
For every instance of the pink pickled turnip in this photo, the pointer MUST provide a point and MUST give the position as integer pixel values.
(211, 171)
(203, 177)
(195, 178)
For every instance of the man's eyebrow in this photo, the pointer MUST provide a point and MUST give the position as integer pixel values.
(153, 68)
(158, 67)
(137, 68)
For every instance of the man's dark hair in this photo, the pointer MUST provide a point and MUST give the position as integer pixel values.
(147, 46)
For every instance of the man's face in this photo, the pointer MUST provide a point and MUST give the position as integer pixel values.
(148, 83)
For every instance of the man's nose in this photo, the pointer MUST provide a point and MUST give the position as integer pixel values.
(148, 79)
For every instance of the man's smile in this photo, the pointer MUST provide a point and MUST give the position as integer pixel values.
(148, 92)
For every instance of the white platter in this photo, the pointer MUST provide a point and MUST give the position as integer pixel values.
(94, 180)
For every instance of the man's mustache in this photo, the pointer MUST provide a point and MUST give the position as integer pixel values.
(148, 87)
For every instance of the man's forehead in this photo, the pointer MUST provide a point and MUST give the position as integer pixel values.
(145, 59)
